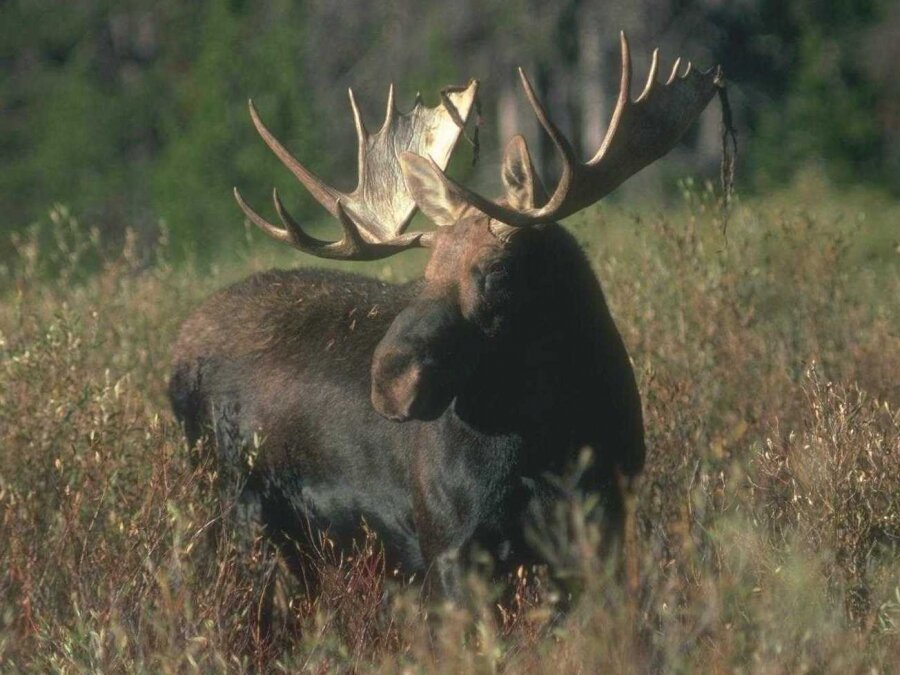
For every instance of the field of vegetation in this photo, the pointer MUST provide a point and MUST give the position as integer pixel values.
(767, 520)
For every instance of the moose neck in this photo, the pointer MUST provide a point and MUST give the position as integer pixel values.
(531, 373)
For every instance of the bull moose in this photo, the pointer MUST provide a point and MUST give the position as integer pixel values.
(438, 411)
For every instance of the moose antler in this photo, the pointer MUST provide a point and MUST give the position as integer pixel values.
(375, 215)
(640, 131)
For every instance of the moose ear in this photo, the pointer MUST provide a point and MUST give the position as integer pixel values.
(429, 191)
(524, 189)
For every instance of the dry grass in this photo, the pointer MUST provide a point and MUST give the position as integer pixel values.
(768, 519)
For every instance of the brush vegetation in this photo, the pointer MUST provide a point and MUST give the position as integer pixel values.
(767, 521)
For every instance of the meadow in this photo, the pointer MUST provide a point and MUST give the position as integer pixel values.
(767, 520)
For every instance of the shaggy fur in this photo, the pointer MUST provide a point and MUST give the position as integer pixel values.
(504, 361)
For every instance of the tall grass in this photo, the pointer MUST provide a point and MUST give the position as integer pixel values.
(768, 519)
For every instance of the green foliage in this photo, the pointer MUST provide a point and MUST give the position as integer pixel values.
(125, 132)
(208, 142)
(827, 114)
(134, 112)
(68, 141)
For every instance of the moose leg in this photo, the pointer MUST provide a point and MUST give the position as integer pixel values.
(442, 551)
(447, 573)
(452, 547)
(461, 501)
(238, 528)
(444, 538)
(238, 499)
(256, 559)
(241, 504)
(186, 398)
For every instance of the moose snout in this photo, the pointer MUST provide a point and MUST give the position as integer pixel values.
(406, 387)
(420, 363)
(397, 380)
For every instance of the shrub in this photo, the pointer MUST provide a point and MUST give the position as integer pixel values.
(767, 521)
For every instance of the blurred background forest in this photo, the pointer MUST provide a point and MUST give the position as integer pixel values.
(133, 113)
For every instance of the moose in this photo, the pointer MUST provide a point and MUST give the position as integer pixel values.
(437, 412)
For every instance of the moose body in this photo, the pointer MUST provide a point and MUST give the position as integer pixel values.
(440, 413)
(281, 362)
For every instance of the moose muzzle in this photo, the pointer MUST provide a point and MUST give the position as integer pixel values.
(421, 362)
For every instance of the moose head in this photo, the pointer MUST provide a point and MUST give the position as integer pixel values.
(477, 277)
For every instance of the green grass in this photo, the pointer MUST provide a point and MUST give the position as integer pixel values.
(768, 519)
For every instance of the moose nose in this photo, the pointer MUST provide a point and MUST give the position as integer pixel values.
(419, 362)
(396, 385)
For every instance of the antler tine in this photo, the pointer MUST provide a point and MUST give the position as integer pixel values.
(310, 244)
(324, 194)
(291, 234)
(362, 136)
(674, 72)
(352, 244)
(625, 83)
(295, 236)
(623, 100)
(273, 231)
(651, 75)
(390, 111)
(361, 133)
(560, 142)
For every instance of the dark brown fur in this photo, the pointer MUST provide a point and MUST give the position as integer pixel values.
(503, 363)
